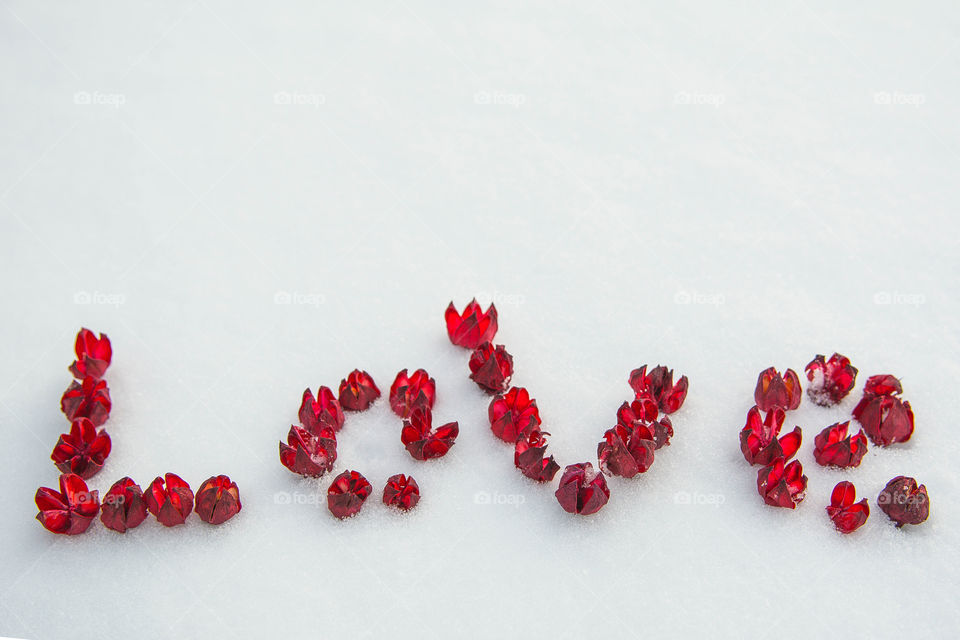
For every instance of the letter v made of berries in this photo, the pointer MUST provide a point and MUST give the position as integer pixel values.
(626, 450)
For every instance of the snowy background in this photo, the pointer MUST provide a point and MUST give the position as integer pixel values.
(253, 200)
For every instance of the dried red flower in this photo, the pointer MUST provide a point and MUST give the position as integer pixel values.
(883, 385)
(830, 380)
(347, 493)
(626, 451)
(473, 327)
(169, 499)
(885, 418)
(529, 455)
(89, 399)
(401, 492)
(309, 454)
(410, 392)
(833, 446)
(644, 411)
(123, 506)
(847, 515)
(93, 355)
(218, 500)
(83, 450)
(422, 441)
(323, 410)
(513, 414)
(774, 390)
(782, 485)
(582, 489)
(358, 391)
(70, 510)
(491, 367)
(758, 438)
(658, 385)
(904, 502)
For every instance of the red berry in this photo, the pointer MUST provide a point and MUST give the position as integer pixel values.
(89, 399)
(626, 451)
(904, 502)
(782, 485)
(885, 418)
(401, 492)
(473, 327)
(83, 450)
(347, 493)
(422, 441)
(582, 489)
(218, 500)
(529, 455)
(513, 414)
(830, 380)
(758, 439)
(491, 367)
(169, 499)
(774, 390)
(846, 515)
(658, 385)
(833, 446)
(70, 510)
(323, 410)
(409, 392)
(93, 355)
(123, 506)
(643, 411)
(883, 385)
(308, 454)
(358, 391)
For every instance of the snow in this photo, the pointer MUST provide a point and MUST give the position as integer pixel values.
(250, 202)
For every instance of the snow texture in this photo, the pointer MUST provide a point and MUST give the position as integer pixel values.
(255, 199)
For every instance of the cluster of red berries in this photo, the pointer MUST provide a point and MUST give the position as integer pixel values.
(81, 453)
(311, 447)
(626, 450)
(882, 415)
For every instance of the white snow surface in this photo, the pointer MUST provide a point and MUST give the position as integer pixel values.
(717, 187)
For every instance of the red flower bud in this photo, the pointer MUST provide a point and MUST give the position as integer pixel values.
(658, 385)
(471, 328)
(169, 502)
(422, 441)
(491, 367)
(529, 456)
(513, 414)
(883, 385)
(847, 516)
(123, 506)
(644, 411)
(626, 451)
(358, 391)
(776, 391)
(831, 380)
(218, 500)
(308, 454)
(782, 485)
(93, 355)
(885, 418)
(582, 489)
(409, 392)
(323, 410)
(758, 439)
(83, 450)
(904, 502)
(347, 493)
(70, 510)
(89, 399)
(401, 492)
(833, 446)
